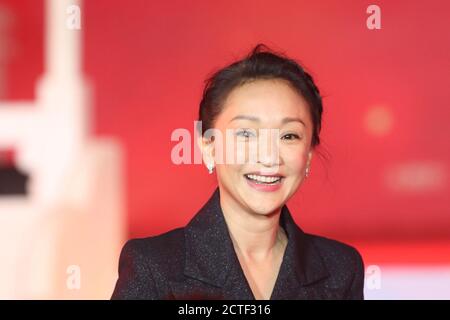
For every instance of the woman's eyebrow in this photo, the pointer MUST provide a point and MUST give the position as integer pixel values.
(244, 117)
(256, 119)
(288, 119)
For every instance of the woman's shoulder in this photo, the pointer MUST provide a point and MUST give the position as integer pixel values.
(337, 254)
(142, 260)
(331, 245)
(168, 243)
(344, 264)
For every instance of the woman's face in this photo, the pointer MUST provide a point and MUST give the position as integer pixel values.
(269, 129)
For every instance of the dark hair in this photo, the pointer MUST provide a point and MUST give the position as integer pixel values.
(260, 63)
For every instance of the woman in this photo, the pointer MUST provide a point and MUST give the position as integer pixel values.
(243, 243)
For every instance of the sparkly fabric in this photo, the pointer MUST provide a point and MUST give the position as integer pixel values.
(199, 262)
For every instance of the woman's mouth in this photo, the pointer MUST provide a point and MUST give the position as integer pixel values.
(263, 179)
(264, 183)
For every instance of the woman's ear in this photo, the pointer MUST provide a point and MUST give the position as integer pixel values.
(310, 155)
(206, 147)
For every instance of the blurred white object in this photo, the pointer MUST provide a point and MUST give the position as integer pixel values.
(410, 282)
(73, 215)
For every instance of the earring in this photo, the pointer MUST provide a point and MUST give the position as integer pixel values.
(210, 167)
(307, 172)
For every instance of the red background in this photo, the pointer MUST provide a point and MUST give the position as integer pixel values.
(147, 61)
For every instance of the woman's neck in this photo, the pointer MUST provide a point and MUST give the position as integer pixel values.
(255, 236)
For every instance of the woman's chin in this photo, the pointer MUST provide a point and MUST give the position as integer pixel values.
(264, 206)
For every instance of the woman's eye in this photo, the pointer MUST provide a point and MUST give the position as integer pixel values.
(290, 136)
(245, 133)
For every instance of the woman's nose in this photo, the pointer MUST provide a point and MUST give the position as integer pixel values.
(268, 148)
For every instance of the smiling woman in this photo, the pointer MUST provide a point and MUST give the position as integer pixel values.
(243, 243)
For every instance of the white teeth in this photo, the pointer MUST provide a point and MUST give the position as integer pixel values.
(264, 179)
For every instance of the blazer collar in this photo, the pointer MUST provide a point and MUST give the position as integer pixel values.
(210, 255)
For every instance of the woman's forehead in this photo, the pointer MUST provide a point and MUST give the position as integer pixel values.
(270, 101)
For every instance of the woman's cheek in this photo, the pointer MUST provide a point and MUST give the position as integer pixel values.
(294, 161)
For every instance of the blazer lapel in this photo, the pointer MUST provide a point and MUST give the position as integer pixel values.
(302, 264)
(213, 271)
(211, 265)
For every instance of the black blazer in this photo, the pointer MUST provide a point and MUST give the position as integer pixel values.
(199, 262)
